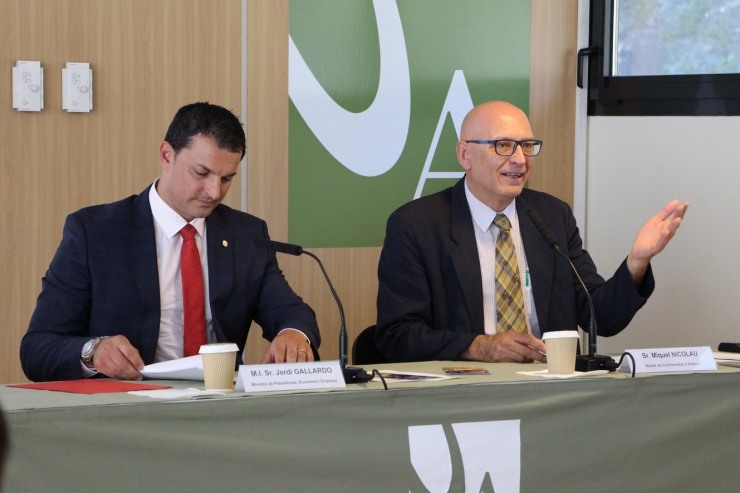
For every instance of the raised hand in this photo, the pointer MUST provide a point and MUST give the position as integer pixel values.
(653, 237)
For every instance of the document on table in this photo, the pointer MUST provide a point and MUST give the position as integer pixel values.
(406, 376)
(176, 393)
(727, 359)
(190, 368)
(575, 374)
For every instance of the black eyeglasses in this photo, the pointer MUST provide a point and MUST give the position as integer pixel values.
(507, 147)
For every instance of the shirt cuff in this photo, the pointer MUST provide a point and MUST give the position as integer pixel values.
(87, 372)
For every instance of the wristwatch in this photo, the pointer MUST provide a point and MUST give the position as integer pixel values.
(88, 350)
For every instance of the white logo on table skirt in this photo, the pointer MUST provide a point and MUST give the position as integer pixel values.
(489, 449)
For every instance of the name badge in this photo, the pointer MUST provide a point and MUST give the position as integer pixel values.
(669, 359)
(290, 376)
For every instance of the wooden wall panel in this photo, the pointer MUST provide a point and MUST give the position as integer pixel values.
(148, 59)
(267, 120)
(267, 130)
(354, 270)
(552, 94)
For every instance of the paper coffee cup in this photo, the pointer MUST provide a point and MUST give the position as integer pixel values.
(219, 361)
(561, 351)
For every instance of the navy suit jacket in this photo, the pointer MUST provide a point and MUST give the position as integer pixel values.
(104, 281)
(430, 294)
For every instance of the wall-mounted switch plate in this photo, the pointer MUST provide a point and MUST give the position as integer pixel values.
(28, 86)
(77, 88)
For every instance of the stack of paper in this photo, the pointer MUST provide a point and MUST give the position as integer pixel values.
(727, 359)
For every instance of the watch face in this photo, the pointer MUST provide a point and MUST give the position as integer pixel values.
(87, 348)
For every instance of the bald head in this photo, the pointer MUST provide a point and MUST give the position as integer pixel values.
(494, 179)
(490, 119)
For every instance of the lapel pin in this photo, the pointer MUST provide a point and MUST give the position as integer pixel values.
(225, 243)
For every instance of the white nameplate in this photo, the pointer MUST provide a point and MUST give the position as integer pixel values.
(290, 376)
(669, 359)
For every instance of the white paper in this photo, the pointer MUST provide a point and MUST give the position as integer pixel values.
(190, 368)
(665, 360)
(575, 374)
(722, 355)
(290, 376)
(729, 362)
(175, 393)
(727, 359)
(393, 376)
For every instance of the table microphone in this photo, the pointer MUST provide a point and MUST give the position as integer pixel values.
(351, 374)
(584, 362)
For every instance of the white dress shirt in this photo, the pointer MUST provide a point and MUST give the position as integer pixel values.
(486, 234)
(167, 226)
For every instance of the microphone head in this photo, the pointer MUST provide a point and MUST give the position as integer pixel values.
(535, 216)
(276, 246)
(544, 230)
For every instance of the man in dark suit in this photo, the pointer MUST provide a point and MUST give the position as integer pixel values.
(152, 277)
(465, 273)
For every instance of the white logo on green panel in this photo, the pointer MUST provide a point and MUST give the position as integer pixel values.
(457, 104)
(368, 143)
(378, 93)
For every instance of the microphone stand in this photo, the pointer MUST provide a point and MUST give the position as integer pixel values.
(590, 361)
(584, 362)
(351, 374)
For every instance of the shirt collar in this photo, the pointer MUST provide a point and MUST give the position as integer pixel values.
(484, 215)
(170, 221)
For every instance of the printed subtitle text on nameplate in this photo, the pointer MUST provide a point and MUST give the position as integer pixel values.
(290, 376)
(664, 360)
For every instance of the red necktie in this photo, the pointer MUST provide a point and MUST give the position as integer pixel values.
(194, 326)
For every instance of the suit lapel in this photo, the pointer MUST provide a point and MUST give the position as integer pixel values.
(541, 262)
(465, 256)
(142, 248)
(220, 266)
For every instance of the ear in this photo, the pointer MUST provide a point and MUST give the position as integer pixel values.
(463, 154)
(166, 155)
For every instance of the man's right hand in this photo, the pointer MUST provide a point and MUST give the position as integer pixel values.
(505, 347)
(115, 357)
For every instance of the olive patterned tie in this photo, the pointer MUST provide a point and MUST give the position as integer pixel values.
(509, 301)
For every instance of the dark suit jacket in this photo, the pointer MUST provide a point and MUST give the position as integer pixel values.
(104, 280)
(430, 294)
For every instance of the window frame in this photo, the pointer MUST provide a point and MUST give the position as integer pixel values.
(650, 95)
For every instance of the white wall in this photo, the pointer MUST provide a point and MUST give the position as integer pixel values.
(635, 166)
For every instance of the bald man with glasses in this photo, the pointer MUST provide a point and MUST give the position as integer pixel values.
(466, 274)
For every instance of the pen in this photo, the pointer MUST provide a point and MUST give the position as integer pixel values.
(526, 278)
(535, 349)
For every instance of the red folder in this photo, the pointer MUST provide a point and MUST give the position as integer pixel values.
(89, 386)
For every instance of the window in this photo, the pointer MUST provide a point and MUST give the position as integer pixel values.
(664, 57)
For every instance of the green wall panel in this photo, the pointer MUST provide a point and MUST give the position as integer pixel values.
(488, 40)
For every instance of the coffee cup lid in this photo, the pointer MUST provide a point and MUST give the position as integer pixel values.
(559, 334)
(219, 347)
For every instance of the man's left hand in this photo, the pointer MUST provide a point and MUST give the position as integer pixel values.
(289, 346)
(653, 237)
